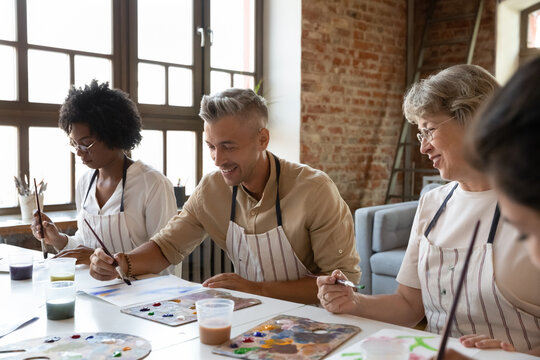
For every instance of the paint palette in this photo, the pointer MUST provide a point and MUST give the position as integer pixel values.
(181, 310)
(288, 337)
(95, 346)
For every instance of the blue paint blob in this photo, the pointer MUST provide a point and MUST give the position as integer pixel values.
(258, 334)
(89, 337)
(167, 315)
(234, 345)
(284, 334)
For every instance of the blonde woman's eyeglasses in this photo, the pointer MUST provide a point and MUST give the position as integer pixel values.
(427, 134)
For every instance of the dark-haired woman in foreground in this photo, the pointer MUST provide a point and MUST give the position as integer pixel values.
(504, 144)
(125, 201)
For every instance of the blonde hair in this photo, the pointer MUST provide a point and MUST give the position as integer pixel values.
(457, 91)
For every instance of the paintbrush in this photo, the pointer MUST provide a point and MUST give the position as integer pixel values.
(342, 282)
(115, 263)
(450, 318)
(41, 232)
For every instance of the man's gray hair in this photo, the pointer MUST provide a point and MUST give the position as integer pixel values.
(457, 91)
(233, 102)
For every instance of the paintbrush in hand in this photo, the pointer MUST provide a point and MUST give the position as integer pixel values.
(342, 282)
(115, 263)
(451, 315)
(41, 232)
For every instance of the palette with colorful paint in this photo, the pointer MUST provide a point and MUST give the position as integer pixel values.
(181, 310)
(95, 346)
(288, 337)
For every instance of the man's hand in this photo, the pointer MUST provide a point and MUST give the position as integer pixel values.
(101, 266)
(233, 282)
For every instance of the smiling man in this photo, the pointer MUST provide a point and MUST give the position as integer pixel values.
(278, 221)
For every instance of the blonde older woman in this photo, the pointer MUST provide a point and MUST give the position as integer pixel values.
(497, 300)
(503, 143)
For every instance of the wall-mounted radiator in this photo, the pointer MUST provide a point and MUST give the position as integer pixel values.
(205, 261)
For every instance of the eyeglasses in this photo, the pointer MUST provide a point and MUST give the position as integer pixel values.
(74, 147)
(427, 134)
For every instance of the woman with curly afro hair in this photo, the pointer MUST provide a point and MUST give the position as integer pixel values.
(125, 201)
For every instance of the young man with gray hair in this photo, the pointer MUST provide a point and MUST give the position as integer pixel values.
(278, 221)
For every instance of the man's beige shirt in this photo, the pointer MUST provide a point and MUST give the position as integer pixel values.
(316, 220)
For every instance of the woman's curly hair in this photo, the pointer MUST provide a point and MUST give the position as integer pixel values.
(110, 114)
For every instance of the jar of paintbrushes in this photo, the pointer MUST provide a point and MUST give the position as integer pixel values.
(27, 197)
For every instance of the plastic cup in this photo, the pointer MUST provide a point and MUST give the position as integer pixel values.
(215, 318)
(21, 265)
(384, 348)
(62, 269)
(60, 297)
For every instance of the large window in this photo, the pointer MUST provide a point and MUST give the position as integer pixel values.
(165, 53)
(530, 33)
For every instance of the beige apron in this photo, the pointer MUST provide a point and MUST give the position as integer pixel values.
(263, 257)
(482, 309)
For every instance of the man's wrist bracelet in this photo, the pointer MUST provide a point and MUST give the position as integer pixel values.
(128, 260)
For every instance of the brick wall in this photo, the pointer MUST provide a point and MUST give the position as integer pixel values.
(484, 54)
(353, 80)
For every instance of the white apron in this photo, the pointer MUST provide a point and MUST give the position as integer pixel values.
(482, 309)
(112, 229)
(263, 257)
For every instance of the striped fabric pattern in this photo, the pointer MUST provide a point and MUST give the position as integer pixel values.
(263, 257)
(112, 229)
(482, 309)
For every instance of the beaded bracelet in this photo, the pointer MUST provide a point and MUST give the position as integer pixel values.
(129, 265)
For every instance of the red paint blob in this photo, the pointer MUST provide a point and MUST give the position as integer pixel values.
(75, 336)
(157, 304)
(248, 340)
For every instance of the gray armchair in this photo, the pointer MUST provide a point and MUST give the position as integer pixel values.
(382, 234)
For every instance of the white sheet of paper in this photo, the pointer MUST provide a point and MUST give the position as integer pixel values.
(141, 291)
(420, 344)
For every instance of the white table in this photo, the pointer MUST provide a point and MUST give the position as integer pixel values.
(20, 298)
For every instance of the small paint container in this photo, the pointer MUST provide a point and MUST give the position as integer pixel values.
(62, 269)
(60, 297)
(21, 265)
(384, 348)
(215, 318)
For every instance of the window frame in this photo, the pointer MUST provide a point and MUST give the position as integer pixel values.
(526, 53)
(23, 114)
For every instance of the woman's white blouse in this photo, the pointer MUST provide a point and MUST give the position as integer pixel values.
(149, 203)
